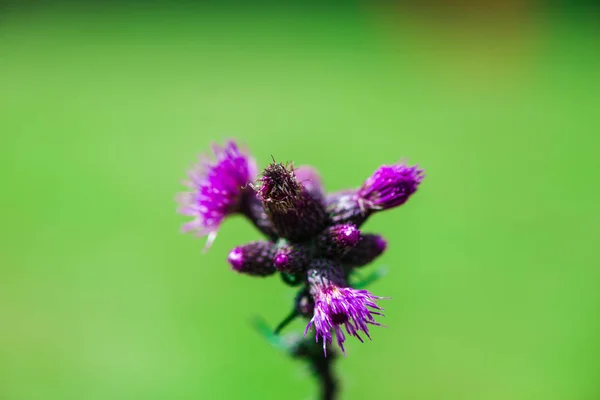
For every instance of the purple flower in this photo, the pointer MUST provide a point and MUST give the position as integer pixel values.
(389, 186)
(313, 239)
(337, 307)
(217, 189)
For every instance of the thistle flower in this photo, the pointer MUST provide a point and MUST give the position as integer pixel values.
(217, 189)
(390, 186)
(313, 239)
(337, 306)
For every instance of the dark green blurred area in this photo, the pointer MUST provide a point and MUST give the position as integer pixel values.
(493, 265)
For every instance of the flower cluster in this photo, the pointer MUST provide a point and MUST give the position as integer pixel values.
(313, 239)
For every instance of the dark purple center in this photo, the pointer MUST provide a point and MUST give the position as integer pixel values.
(339, 318)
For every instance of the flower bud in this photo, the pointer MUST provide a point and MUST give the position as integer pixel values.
(291, 258)
(255, 258)
(336, 240)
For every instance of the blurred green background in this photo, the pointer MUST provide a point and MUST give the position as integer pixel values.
(493, 265)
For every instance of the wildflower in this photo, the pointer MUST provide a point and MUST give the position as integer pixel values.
(337, 306)
(217, 190)
(313, 239)
(390, 186)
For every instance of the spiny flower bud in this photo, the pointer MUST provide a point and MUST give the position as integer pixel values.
(255, 258)
(291, 258)
(368, 248)
(294, 213)
(279, 190)
(336, 240)
(390, 186)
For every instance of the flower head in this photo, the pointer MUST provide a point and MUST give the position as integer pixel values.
(313, 238)
(217, 189)
(337, 307)
(390, 186)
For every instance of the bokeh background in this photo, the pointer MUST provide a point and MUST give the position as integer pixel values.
(493, 265)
